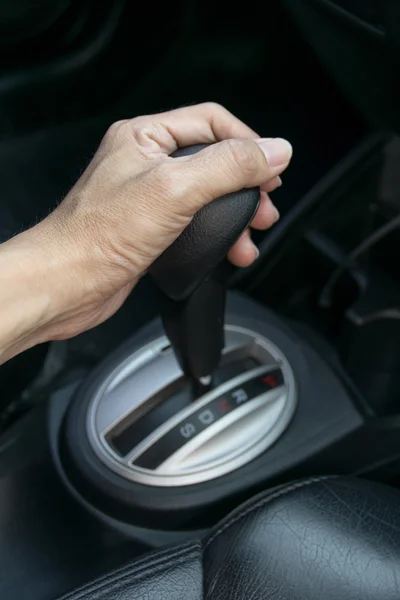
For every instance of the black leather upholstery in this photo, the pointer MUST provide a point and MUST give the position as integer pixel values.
(168, 575)
(318, 539)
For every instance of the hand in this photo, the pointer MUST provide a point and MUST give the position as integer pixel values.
(133, 201)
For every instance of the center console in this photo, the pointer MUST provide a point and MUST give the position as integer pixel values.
(138, 447)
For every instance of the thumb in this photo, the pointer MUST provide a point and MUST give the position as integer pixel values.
(229, 166)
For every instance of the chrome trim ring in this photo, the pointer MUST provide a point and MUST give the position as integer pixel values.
(224, 446)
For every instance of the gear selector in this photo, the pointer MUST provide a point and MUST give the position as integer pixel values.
(190, 275)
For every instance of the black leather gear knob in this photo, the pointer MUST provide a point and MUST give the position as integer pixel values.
(189, 275)
(206, 241)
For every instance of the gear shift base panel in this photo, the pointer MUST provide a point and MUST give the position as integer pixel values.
(190, 456)
(174, 398)
(148, 424)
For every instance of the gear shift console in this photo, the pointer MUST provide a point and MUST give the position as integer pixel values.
(145, 423)
(139, 446)
(188, 275)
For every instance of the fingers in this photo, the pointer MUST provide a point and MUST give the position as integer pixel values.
(267, 213)
(203, 123)
(154, 137)
(223, 168)
(272, 185)
(244, 252)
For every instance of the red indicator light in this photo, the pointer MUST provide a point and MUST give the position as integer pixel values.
(224, 405)
(270, 380)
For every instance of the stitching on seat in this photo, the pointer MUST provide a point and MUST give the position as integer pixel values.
(137, 563)
(119, 576)
(128, 568)
(97, 587)
(282, 491)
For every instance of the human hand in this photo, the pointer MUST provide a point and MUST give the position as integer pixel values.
(133, 201)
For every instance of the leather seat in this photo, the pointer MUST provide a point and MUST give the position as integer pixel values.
(316, 539)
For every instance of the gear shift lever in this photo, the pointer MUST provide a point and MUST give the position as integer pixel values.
(190, 275)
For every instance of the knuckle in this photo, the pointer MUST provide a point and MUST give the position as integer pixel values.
(214, 107)
(115, 128)
(130, 129)
(142, 131)
(113, 134)
(243, 157)
(138, 121)
(138, 124)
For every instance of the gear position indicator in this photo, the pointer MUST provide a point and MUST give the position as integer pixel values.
(217, 408)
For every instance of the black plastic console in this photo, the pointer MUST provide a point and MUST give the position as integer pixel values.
(325, 413)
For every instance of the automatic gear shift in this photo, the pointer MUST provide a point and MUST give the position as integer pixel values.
(190, 275)
(152, 426)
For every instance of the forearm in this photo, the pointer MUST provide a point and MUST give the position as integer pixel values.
(24, 301)
(38, 283)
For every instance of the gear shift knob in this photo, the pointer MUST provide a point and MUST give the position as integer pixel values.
(189, 275)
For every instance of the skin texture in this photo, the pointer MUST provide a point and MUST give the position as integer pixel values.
(74, 269)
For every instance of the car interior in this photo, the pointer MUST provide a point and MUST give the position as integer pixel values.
(228, 433)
